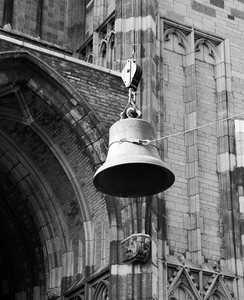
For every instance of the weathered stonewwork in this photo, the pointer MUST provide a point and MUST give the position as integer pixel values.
(61, 90)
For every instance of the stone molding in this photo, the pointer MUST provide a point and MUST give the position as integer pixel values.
(53, 293)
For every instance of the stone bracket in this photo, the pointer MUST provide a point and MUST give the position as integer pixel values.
(136, 248)
(53, 293)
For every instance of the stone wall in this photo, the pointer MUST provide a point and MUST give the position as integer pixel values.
(58, 112)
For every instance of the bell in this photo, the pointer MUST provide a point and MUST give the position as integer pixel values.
(133, 167)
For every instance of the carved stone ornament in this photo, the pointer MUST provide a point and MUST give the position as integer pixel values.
(53, 293)
(137, 248)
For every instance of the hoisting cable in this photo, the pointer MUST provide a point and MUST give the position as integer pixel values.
(131, 75)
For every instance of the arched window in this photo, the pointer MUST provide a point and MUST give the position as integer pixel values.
(107, 43)
(111, 42)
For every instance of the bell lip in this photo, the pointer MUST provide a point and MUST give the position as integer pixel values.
(160, 164)
(133, 159)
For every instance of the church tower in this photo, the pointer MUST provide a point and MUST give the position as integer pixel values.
(61, 90)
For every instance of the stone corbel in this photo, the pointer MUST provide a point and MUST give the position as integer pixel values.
(136, 248)
(54, 293)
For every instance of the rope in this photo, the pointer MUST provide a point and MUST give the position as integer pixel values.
(146, 142)
(137, 142)
(195, 128)
(134, 32)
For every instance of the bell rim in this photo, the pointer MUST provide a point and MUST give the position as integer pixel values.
(158, 163)
(133, 159)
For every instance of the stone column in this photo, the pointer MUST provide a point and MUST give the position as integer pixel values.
(192, 220)
(135, 24)
(226, 163)
(134, 221)
(133, 250)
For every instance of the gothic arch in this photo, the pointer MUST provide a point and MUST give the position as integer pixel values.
(216, 296)
(102, 291)
(36, 91)
(182, 38)
(213, 50)
(55, 93)
(111, 41)
(181, 292)
(103, 48)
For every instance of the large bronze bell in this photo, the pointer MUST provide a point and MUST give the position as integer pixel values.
(133, 167)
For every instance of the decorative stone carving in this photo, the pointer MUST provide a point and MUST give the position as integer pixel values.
(53, 294)
(195, 283)
(137, 248)
(181, 259)
(216, 266)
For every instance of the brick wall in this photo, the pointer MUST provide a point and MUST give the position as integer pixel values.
(53, 21)
(223, 20)
(208, 177)
(201, 81)
(95, 88)
(1, 10)
(174, 150)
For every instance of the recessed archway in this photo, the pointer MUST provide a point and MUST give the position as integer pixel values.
(50, 146)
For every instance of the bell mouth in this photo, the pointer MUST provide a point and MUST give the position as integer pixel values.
(134, 179)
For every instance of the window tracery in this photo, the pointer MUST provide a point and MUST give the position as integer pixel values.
(186, 283)
(86, 51)
(96, 288)
(99, 48)
(107, 43)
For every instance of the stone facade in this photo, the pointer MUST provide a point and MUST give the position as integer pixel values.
(60, 92)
